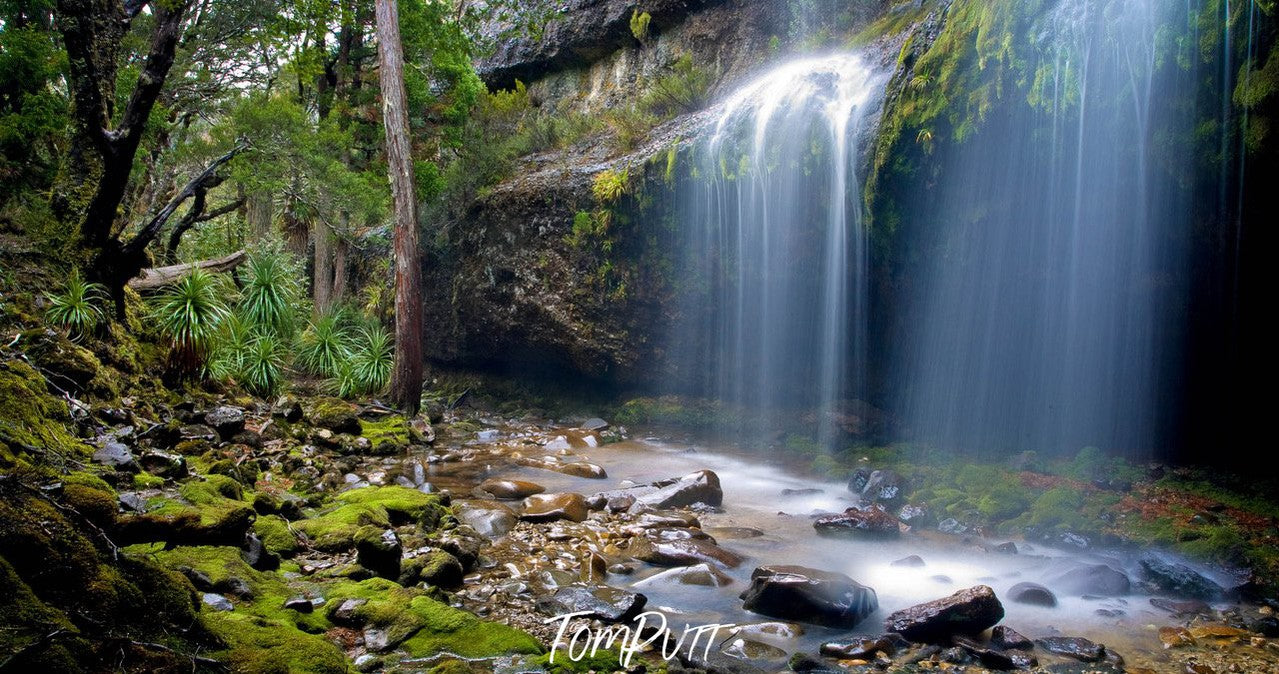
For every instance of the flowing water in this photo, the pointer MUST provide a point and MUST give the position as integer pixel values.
(777, 246)
(1048, 303)
(754, 498)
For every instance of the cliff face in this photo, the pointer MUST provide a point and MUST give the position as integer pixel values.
(523, 296)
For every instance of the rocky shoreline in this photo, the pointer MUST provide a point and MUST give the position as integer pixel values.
(399, 540)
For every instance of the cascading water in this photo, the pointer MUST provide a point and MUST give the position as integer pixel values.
(1043, 318)
(778, 251)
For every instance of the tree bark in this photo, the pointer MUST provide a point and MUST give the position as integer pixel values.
(406, 378)
(259, 214)
(322, 269)
(339, 271)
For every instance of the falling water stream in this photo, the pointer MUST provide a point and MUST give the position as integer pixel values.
(778, 240)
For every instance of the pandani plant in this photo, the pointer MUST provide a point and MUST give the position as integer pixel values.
(78, 308)
(190, 312)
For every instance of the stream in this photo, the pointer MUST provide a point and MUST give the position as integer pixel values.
(766, 517)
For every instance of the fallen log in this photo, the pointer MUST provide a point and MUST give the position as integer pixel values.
(159, 276)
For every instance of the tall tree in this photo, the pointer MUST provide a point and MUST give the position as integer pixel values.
(406, 379)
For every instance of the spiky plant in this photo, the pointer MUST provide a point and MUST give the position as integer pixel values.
(368, 370)
(262, 364)
(77, 309)
(233, 342)
(271, 292)
(325, 344)
(190, 312)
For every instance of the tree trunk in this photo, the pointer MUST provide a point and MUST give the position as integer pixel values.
(406, 379)
(322, 269)
(339, 271)
(259, 215)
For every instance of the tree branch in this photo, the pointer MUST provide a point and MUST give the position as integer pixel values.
(139, 242)
(159, 276)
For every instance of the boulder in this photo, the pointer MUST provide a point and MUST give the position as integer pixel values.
(226, 420)
(335, 415)
(886, 487)
(433, 567)
(288, 408)
(594, 424)
(603, 602)
(1094, 579)
(682, 552)
(913, 561)
(1031, 593)
(217, 602)
(164, 464)
(552, 507)
(869, 522)
(1178, 579)
(700, 487)
(510, 490)
(966, 612)
(915, 515)
(857, 481)
(116, 455)
(1073, 647)
(809, 595)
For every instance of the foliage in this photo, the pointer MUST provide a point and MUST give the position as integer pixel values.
(640, 25)
(610, 186)
(271, 292)
(33, 107)
(683, 88)
(78, 308)
(368, 369)
(324, 345)
(189, 313)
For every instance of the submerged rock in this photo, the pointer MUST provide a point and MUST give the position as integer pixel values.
(870, 522)
(1006, 637)
(1032, 593)
(700, 487)
(966, 612)
(809, 595)
(1178, 579)
(489, 518)
(682, 552)
(510, 490)
(552, 507)
(583, 469)
(859, 649)
(605, 603)
(913, 561)
(1073, 647)
(704, 575)
(1094, 579)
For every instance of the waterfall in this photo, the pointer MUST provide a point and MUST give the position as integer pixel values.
(777, 248)
(1045, 317)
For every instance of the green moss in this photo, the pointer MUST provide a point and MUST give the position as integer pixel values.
(24, 618)
(276, 536)
(336, 528)
(426, 626)
(387, 436)
(262, 645)
(603, 660)
(146, 480)
(87, 479)
(210, 512)
(401, 503)
(334, 414)
(96, 505)
(30, 415)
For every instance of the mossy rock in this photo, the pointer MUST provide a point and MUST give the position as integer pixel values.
(210, 513)
(336, 528)
(423, 626)
(276, 536)
(334, 414)
(30, 415)
(63, 358)
(437, 568)
(401, 503)
(24, 619)
(387, 436)
(261, 645)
